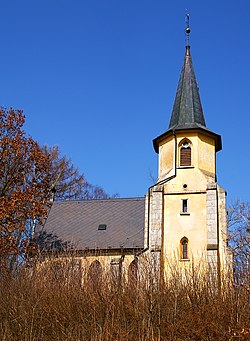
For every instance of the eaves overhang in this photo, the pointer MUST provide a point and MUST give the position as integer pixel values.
(90, 252)
(205, 131)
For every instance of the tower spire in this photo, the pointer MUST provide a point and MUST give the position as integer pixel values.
(187, 113)
(187, 110)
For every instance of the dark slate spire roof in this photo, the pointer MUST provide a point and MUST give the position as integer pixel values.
(187, 111)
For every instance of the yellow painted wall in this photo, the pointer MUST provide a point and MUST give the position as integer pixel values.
(81, 264)
(107, 260)
(166, 157)
(206, 154)
(191, 225)
(203, 153)
(196, 178)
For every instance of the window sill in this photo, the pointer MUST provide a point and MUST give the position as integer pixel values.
(185, 260)
(184, 213)
(185, 167)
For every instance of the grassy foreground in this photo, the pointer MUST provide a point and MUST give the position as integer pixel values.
(66, 305)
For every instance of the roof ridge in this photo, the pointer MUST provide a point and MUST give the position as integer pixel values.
(94, 200)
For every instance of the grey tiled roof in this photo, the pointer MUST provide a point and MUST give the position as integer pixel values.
(76, 223)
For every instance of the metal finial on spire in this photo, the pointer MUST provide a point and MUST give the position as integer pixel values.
(188, 30)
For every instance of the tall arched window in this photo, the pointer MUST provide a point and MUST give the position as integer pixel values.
(115, 270)
(95, 273)
(184, 248)
(185, 153)
(133, 273)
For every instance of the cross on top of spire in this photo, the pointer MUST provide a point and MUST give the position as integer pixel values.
(188, 30)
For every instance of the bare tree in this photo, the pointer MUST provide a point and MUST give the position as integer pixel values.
(239, 238)
(66, 180)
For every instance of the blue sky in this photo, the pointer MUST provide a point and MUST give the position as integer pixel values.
(98, 78)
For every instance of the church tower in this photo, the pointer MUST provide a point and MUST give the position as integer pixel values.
(187, 222)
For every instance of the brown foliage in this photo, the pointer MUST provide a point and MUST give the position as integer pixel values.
(53, 305)
(30, 178)
(24, 178)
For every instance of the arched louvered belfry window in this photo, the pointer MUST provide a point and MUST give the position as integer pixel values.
(185, 153)
(184, 248)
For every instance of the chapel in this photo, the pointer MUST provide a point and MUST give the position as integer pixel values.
(182, 219)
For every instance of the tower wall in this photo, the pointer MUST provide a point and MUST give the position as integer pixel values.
(194, 209)
(190, 225)
(153, 225)
(203, 225)
(212, 227)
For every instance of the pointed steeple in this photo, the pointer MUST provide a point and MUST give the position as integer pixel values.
(187, 110)
(187, 113)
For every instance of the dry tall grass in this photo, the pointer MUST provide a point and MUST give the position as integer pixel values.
(50, 306)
